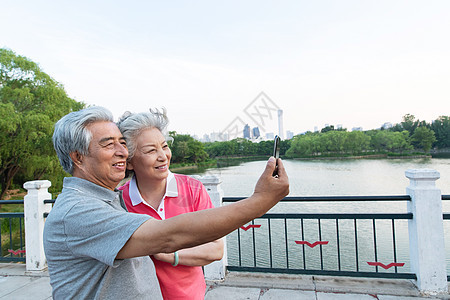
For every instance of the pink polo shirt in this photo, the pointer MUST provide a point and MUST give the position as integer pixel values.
(183, 194)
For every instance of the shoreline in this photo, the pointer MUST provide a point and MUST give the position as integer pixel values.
(375, 156)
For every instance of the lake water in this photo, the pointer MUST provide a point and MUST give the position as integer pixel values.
(334, 178)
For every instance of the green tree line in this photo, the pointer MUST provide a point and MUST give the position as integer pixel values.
(243, 147)
(408, 136)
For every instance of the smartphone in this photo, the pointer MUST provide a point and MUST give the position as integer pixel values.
(276, 153)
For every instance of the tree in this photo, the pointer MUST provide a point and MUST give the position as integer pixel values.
(327, 128)
(301, 146)
(441, 128)
(423, 137)
(391, 141)
(186, 149)
(356, 142)
(30, 104)
(409, 123)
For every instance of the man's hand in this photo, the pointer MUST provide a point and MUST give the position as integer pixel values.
(273, 187)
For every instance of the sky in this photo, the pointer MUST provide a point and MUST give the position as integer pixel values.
(210, 63)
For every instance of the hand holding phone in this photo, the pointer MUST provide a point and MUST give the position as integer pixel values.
(276, 153)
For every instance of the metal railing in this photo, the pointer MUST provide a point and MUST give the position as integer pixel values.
(337, 244)
(12, 230)
(284, 246)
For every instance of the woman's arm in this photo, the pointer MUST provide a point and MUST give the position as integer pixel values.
(196, 256)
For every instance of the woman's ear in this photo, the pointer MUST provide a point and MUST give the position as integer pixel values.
(77, 158)
(129, 165)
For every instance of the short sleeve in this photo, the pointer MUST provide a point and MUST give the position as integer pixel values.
(203, 200)
(95, 229)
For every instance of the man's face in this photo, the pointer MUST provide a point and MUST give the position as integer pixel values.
(105, 163)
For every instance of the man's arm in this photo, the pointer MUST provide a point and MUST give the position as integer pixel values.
(196, 228)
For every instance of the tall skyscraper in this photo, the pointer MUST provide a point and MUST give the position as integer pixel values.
(280, 124)
(255, 132)
(247, 132)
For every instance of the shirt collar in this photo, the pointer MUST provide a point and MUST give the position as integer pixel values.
(171, 189)
(87, 187)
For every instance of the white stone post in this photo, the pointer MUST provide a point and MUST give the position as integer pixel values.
(426, 231)
(34, 209)
(215, 270)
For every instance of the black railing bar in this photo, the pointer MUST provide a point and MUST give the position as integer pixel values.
(254, 243)
(393, 244)
(239, 247)
(10, 234)
(324, 272)
(21, 201)
(303, 246)
(320, 239)
(332, 198)
(12, 215)
(289, 199)
(375, 242)
(13, 259)
(11, 202)
(21, 237)
(338, 245)
(286, 243)
(446, 216)
(270, 242)
(401, 216)
(356, 246)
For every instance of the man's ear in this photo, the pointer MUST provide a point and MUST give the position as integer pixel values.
(77, 158)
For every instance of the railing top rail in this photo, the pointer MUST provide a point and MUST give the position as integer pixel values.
(11, 214)
(371, 216)
(445, 197)
(11, 202)
(333, 198)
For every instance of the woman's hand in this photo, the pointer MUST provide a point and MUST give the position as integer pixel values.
(196, 256)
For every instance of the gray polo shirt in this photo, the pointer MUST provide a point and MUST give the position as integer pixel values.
(83, 233)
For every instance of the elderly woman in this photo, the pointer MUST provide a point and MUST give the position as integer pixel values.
(155, 191)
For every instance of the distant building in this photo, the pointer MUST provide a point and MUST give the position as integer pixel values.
(280, 124)
(357, 129)
(289, 134)
(270, 135)
(205, 138)
(247, 132)
(316, 129)
(213, 137)
(218, 136)
(386, 125)
(255, 132)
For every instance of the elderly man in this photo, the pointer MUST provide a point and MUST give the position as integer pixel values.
(97, 250)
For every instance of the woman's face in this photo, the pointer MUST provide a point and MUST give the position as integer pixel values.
(152, 156)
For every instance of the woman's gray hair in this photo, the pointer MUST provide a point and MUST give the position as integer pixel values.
(132, 124)
(71, 135)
